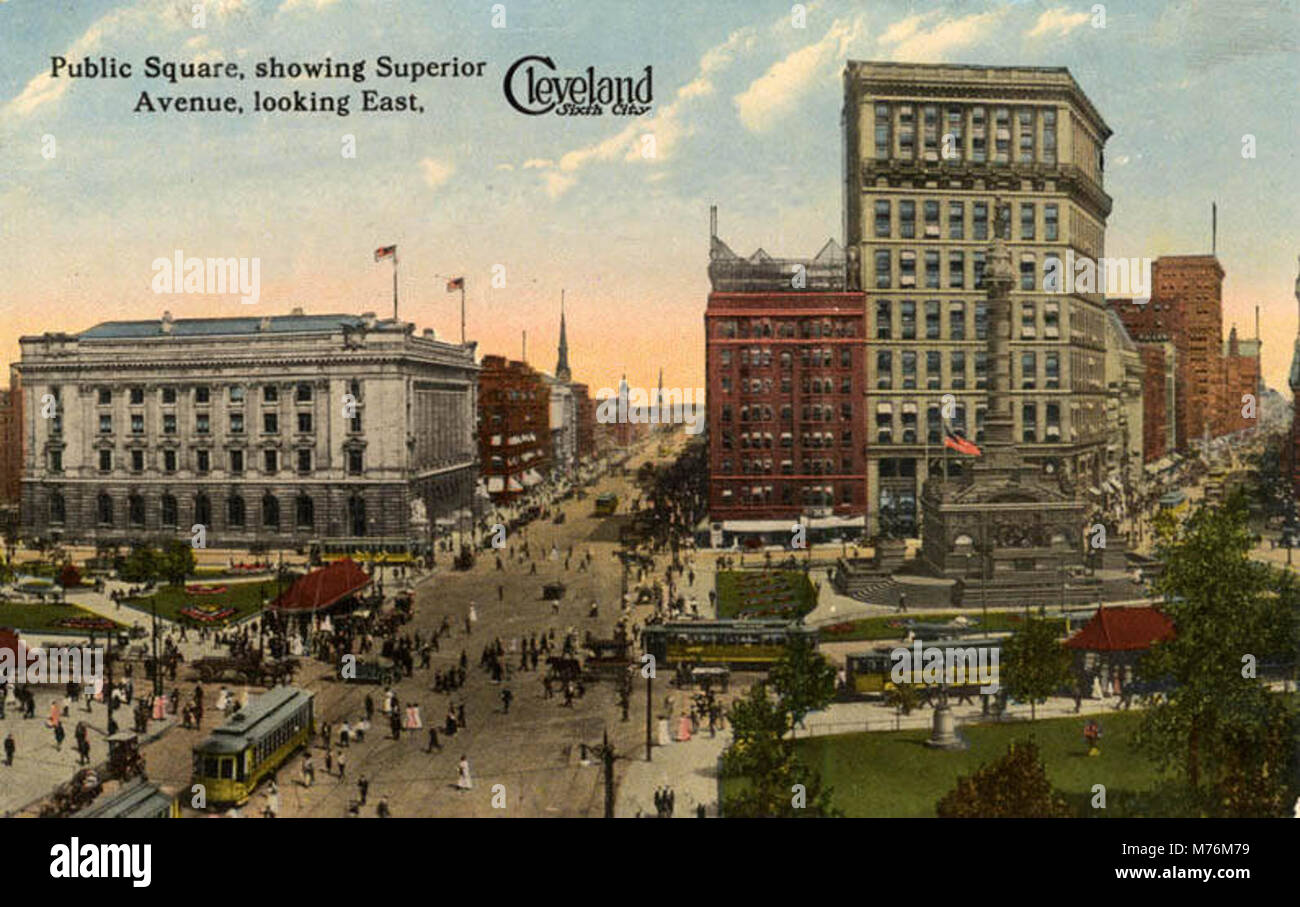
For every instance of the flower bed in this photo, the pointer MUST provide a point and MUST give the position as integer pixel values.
(208, 613)
(85, 623)
(205, 589)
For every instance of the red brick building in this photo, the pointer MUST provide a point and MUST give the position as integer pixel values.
(514, 427)
(1241, 376)
(11, 442)
(785, 360)
(1191, 286)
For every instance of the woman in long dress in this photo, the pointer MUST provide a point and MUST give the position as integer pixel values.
(463, 780)
(412, 717)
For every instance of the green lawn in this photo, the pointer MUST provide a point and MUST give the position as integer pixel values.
(43, 618)
(896, 775)
(764, 594)
(895, 627)
(245, 598)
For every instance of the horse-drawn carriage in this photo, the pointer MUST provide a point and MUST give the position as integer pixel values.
(124, 759)
(250, 669)
(73, 795)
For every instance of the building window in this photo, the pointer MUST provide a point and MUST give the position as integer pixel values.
(1025, 122)
(270, 462)
(237, 462)
(104, 509)
(137, 423)
(105, 396)
(932, 218)
(1027, 322)
(981, 321)
(980, 224)
(977, 266)
(1028, 371)
(1028, 271)
(907, 218)
(883, 278)
(932, 269)
(202, 461)
(355, 463)
(202, 395)
(956, 270)
(1051, 320)
(202, 424)
(956, 220)
(236, 395)
(981, 370)
(909, 423)
(270, 512)
(305, 517)
(169, 423)
(1029, 422)
(1052, 371)
(169, 510)
(907, 313)
(933, 370)
(58, 508)
(169, 461)
(1049, 136)
(884, 370)
(235, 515)
(884, 423)
(135, 511)
(354, 424)
(304, 422)
(56, 461)
(304, 461)
(236, 423)
(933, 425)
(957, 366)
(137, 396)
(882, 132)
(202, 509)
(270, 393)
(932, 316)
(909, 370)
(1002, 135)
(1053, 419)
(1027, 221)
(956, 321)
(270, 423)
(882, 219)
(168, 396)
(1051, 225)
(302, 393)
(105, 460)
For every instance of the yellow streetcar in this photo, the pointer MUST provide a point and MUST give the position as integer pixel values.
(253, 744)
(753, 645)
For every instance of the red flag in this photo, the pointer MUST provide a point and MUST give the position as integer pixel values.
(455, 284)
(954, 440)
(385, 252)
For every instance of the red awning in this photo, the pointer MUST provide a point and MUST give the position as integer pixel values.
(322, 588)
(1122, 630)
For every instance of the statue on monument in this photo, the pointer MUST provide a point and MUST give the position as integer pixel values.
(419, 514)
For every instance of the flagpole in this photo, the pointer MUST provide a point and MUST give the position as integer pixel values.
(462, 311)
(394, 283)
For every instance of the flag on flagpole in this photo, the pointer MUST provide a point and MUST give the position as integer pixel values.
(955, 440)
(385, 252)
(456, 283)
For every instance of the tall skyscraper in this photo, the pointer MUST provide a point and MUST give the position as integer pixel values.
(932, 152)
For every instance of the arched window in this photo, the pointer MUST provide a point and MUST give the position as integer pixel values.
(270, 511)
(306, 512)
(58, 509)
(235, 511)
(135, 510)
(202, 510)
(104, 507)
(168, 510)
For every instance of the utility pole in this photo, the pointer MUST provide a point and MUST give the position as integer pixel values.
(607, 758)
(649, 713)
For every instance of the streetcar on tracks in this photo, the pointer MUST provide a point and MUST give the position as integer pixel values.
(253, 744)
(137, 799)
(606, 504)
(870, 674)
(753, 645)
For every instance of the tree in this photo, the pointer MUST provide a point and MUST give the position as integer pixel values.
(141, 565)
(1035, 664)
(764, 760)
(176, 562)
(803, 680)
(1227, 735)
(69, 576)
(1014, 787)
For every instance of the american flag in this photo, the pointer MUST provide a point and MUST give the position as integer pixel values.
(385, 252)
(953, 438)
(457, 283)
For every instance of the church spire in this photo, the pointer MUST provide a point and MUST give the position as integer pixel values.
(562, 372)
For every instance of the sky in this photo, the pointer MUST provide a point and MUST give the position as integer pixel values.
(747, 99)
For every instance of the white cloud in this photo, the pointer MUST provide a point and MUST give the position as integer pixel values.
(436, 172)
(777, 93)
(505, 166)
(289, 6)
(538, 163)
(1059, 21)
(915, 41)
(556, 184)
(42, 89)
